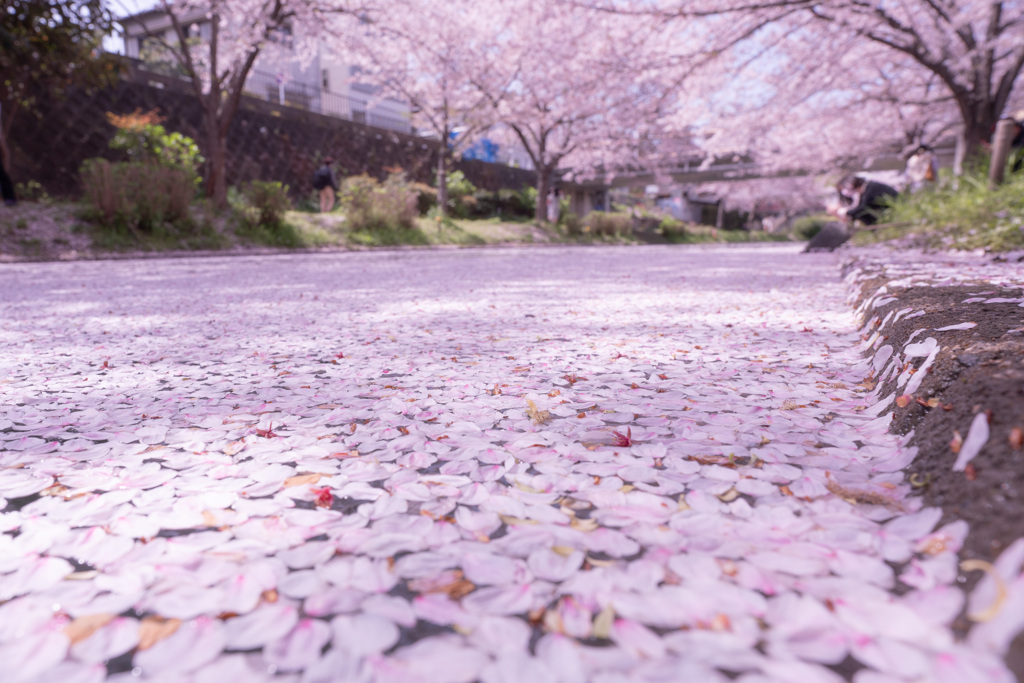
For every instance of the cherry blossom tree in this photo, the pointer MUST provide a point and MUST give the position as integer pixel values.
(853, 102)
(218, 64)
(582, 89)
(973, 49)
(437, 57)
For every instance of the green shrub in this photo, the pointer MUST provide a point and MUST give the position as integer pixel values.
(461, 200)
(572, 223)
(516, 203)
(143, 140)
(137, 196)
(269, 199)
(371, 205)
(673, 230)
(31, 191)
(459, 185)
(426, 197)
(526, 199)
(607, 224)
(259, 208)
(484, 204)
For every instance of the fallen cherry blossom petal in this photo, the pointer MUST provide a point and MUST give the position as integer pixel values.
(977, 436)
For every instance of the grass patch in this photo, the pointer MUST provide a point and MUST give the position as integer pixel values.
(691, 233)
(960, 213)
(389, 236)
(164, 237)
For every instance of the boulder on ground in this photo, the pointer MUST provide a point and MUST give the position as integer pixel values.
(830, 236)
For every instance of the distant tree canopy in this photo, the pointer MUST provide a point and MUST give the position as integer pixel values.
(48, 45)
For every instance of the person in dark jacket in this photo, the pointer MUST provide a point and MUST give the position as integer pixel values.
(864, 199)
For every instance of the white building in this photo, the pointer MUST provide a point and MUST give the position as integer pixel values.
(325, 85)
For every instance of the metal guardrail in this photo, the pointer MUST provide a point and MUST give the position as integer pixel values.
(270, 88)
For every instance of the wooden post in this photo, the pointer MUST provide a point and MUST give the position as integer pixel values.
(1000, 151)
(719, 219)
(960, 154)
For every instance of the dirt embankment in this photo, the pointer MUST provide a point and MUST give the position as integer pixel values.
(974, 366)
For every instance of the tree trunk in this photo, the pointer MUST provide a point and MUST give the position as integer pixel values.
(442, 178)
(1005, 131)
(7, 112)
(544, 174)
(972, 143)
(216, 163)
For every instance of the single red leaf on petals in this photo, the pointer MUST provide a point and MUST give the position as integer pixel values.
(324, 497)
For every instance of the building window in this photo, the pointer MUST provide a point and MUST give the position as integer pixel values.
(325, 80)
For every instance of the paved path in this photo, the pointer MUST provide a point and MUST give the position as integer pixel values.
(558, 464)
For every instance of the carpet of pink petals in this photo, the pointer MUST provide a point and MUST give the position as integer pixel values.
(548, 465)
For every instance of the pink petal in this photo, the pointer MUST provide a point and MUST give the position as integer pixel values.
(977, 436)
(192, 646)
(364, 634)
(551, 566)
(27, 657)
(300, 647)
(499, 600)
(265, 624)
(637, 639)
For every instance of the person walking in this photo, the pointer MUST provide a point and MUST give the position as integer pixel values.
(325, 183)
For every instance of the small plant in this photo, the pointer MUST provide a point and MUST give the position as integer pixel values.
(572, 223)
(426, 197)
(138, 197)
(269, 199)
(142, 139)
(673, 230)
(260, 207)
(370, 205)
(607, 224)
(31, 191)
(461, 199)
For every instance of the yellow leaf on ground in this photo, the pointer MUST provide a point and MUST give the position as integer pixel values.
(526, 488)
(603, 622)
(515, 521)
(729, 496)
(537, 416)
(301, 480)
(83, 627)
(583, 524)
(154, 629)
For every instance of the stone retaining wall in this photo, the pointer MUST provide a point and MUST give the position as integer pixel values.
(266, 141)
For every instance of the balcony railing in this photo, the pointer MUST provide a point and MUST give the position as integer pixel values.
(368, 110)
